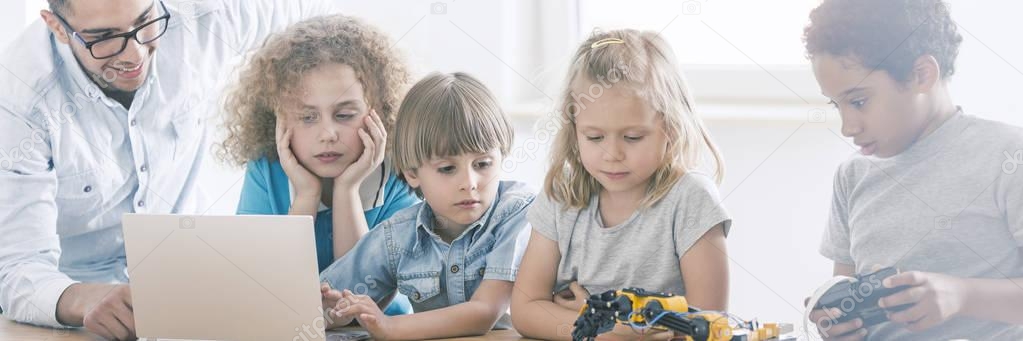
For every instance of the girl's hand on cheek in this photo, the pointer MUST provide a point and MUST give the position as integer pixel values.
(374, 142)
(307, 184)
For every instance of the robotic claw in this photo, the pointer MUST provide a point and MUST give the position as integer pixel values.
(640, 308)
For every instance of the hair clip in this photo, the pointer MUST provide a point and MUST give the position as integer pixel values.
(606, 41)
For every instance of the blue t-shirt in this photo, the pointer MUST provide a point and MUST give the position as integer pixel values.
(268, 191)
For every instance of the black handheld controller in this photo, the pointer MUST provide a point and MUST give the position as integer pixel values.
(859, 298)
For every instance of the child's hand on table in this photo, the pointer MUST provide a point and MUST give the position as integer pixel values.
(366, 311)
(330, 298)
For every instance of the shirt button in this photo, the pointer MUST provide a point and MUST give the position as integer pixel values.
(454, 269)
(142, 203)
(416, 296)
(144, 168)
(87, 189)
(132, 123)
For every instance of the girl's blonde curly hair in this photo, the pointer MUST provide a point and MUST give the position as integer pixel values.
(269, 84)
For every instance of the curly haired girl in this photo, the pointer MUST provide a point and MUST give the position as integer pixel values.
(309, 117)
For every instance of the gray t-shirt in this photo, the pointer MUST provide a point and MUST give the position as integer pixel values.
(949, 204)
(643, 251)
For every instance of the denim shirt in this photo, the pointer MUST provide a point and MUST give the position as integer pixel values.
(73, 161)
(404, 254)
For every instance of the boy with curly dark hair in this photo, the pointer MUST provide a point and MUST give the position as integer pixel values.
(929, 193)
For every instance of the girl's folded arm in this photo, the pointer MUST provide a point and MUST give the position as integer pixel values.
(534, 313)
(705, 271)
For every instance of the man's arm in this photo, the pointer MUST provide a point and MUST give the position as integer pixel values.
(103, 309)
(30, 283)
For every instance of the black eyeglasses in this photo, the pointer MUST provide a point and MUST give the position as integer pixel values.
(108, 47)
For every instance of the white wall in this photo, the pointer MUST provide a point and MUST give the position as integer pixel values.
(12, 19)
(780, 165)
(989, 77)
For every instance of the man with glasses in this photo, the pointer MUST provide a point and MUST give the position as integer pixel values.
(101, 114)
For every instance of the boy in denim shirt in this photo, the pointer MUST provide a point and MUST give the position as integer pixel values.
(455, 255)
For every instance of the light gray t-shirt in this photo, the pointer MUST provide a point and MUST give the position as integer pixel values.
(644, 251)
(949, 204)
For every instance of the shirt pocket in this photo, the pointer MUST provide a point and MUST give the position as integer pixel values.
(481, 247)
(79, 198)
(420, 286)
(476, 268)
(187, 126)
(476, 263)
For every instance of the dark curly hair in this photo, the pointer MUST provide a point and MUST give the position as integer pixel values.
(269, 82)
(887, 35)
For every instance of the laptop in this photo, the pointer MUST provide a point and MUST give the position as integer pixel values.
(224, 277)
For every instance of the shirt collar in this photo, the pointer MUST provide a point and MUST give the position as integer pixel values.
(425, 223)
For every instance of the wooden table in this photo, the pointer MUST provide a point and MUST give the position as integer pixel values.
(10, 330)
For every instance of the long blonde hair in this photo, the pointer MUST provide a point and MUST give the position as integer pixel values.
(270, 81)
(644, 62)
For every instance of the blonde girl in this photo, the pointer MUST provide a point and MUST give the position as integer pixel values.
(625, 204)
